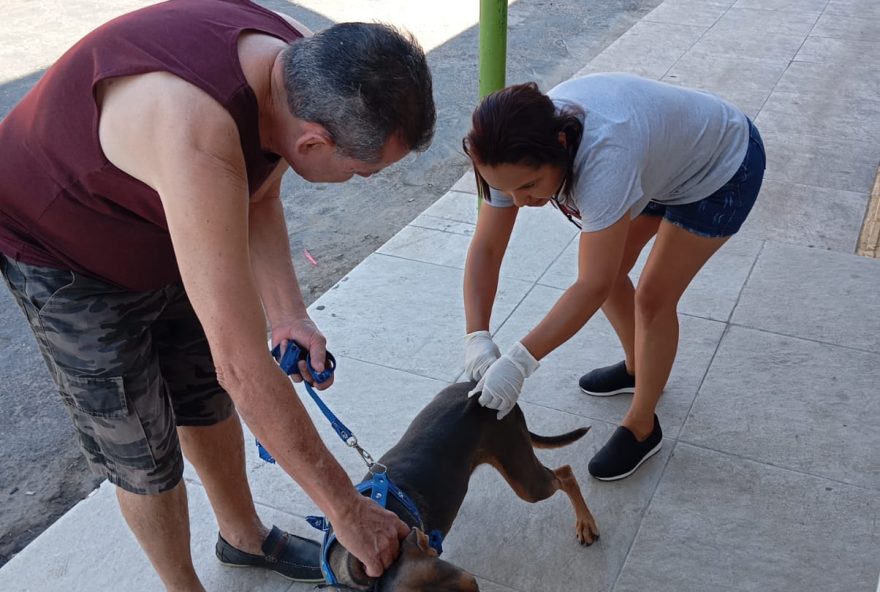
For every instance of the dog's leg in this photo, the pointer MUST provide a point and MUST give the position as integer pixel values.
(586, 528)
(533, 482)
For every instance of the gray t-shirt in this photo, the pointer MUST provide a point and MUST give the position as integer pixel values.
(645, 140)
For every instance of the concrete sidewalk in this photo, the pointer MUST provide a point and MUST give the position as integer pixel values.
(769, 478)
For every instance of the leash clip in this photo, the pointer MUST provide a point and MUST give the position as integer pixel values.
(381, 470)
(365, 456)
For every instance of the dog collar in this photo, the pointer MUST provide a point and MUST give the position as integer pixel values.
(380, 487)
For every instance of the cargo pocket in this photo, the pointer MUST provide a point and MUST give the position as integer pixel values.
(98, 397)
(110, 431)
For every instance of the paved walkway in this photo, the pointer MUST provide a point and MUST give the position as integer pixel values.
(769, 478)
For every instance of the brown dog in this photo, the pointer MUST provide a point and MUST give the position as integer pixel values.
(432, 463)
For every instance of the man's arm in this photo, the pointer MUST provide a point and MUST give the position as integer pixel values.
(174, 138)
(193, 160)
(270, 257)
(276, 278)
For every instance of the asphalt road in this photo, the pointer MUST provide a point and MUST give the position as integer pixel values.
(42, 473)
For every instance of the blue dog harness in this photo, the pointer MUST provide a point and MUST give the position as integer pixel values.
(379, 487)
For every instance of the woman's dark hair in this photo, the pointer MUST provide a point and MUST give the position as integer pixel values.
(363, 82)
(521, 125)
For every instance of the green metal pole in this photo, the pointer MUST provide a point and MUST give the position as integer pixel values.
(493, 48)
(493, 45)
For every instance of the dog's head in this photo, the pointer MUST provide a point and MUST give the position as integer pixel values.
(417, 569)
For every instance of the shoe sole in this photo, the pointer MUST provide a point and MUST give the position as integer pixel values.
(312, 581)
(628, 390)
(650, 453)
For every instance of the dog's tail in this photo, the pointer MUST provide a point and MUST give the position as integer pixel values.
(558, 441)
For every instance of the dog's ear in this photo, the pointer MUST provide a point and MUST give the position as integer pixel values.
(420, 539)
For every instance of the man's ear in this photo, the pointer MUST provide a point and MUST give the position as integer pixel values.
(562, 139)
(314, 138)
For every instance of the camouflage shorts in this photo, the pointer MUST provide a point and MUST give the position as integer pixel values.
(130, 367)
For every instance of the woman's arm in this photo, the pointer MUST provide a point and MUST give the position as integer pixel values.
(494, 227)
(599, 257)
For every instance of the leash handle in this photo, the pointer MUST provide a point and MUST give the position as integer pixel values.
(295, 353)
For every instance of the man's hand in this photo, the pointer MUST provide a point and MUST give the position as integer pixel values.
(500, 387)
(371, 533)
(306, 333)
(479, 353)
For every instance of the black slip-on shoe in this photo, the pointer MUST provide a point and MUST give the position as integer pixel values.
(291, 556)
(607, 381)
(623, 454)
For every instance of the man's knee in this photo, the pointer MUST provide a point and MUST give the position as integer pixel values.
(145, 485)
(135, 468)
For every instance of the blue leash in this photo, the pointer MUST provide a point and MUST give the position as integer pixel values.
(289, 362)
(379, 486)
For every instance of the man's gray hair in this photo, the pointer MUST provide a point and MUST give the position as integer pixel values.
(364, 82)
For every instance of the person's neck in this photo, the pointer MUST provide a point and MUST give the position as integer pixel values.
(272, 105)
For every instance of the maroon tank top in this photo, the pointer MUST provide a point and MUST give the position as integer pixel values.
(62, 204)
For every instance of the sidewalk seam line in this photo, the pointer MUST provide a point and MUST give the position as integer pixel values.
(413, 225)
(724, 332)
(393, 256)
(703, 380)
(643, 514)
(691, 46)
(808, 339)
(504, 277)
(745, 282)
(534, 284)
(780, 467)
(820, 187)
(380, 365)
(793, 58)
(555, 259)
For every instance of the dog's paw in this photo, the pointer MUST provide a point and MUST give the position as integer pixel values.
(587, 531)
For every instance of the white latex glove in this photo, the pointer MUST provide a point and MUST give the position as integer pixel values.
(479, 353)
(500, 387)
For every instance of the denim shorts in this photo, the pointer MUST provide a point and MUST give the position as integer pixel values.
(130, 367)
(722, 213)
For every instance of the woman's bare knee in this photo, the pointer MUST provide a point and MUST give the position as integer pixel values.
(652, 299)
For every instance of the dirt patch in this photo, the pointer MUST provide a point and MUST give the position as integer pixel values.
(869, 239)
(63, 480)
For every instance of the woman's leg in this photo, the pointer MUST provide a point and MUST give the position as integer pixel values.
(620, 305)
(676, 257)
